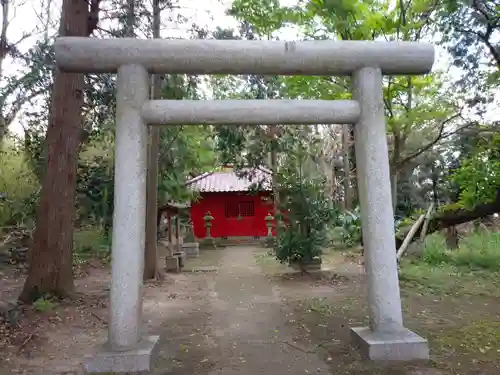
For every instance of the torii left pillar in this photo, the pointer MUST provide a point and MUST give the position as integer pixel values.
(127, 350)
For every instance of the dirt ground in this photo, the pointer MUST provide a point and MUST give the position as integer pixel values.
(247, 314)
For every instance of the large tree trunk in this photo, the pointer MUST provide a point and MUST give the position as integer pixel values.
(451, 218)
(274, 178)
(151, 252)
(51, 262)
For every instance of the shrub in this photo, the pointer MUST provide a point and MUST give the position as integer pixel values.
(307, 214)
(18, 187)
(350, 227)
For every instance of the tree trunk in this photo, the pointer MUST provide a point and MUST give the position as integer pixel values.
(329, 173)
(274, 178)
(451, 238)
(3, 55)
(346, 147)
(151, 252)
(51, 262)
(435, 192)
(396, 155)
(394, 188)
(455, 217)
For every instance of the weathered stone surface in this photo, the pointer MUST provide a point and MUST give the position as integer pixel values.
(400, 345)
(172, 264)
(140, 358)
(129, 225)
(325, 57)
(375, 199)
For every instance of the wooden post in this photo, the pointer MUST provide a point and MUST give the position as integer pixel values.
(169, 227)
(177, 232)
(409, 237)
(151, 250)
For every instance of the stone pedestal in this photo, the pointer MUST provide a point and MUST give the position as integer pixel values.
(182, 258)
(140, 358)
(208, 243)
(191, 249)
(172, 264)
(400, 345)
(175, 262)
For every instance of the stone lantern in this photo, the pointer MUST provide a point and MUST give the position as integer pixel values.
(269, 224)
(270, 241)
(208, 223)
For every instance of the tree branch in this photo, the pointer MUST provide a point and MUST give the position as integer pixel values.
(93, 19)
(439, 136)
(486, 40)
(455, 217)
(18, 104)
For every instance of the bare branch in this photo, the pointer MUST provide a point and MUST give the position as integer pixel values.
(17, 106)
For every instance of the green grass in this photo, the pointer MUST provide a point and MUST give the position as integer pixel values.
(477, 251)
(90, 242)
(472, 269)
(478, 337)
(43, 305)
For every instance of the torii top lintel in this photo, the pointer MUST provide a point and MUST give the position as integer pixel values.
(163, 56)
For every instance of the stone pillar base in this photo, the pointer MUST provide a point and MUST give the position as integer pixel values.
(403, 345)
(138, 359)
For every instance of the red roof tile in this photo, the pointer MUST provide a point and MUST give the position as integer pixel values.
(228, 181)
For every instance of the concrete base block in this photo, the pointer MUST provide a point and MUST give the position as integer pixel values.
(138, 359)
(191, 249)
(172, 264)
(403, 345)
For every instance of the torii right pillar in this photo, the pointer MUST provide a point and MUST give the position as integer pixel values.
(386, 338)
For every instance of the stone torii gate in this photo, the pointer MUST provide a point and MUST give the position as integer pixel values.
(366, 61)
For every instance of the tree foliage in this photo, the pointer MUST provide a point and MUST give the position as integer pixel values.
(471, 31)
(307, 210)
(479, 175)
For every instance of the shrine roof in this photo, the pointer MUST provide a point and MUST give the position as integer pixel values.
(227, 180)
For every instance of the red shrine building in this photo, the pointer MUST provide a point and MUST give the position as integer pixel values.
(237, 207)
